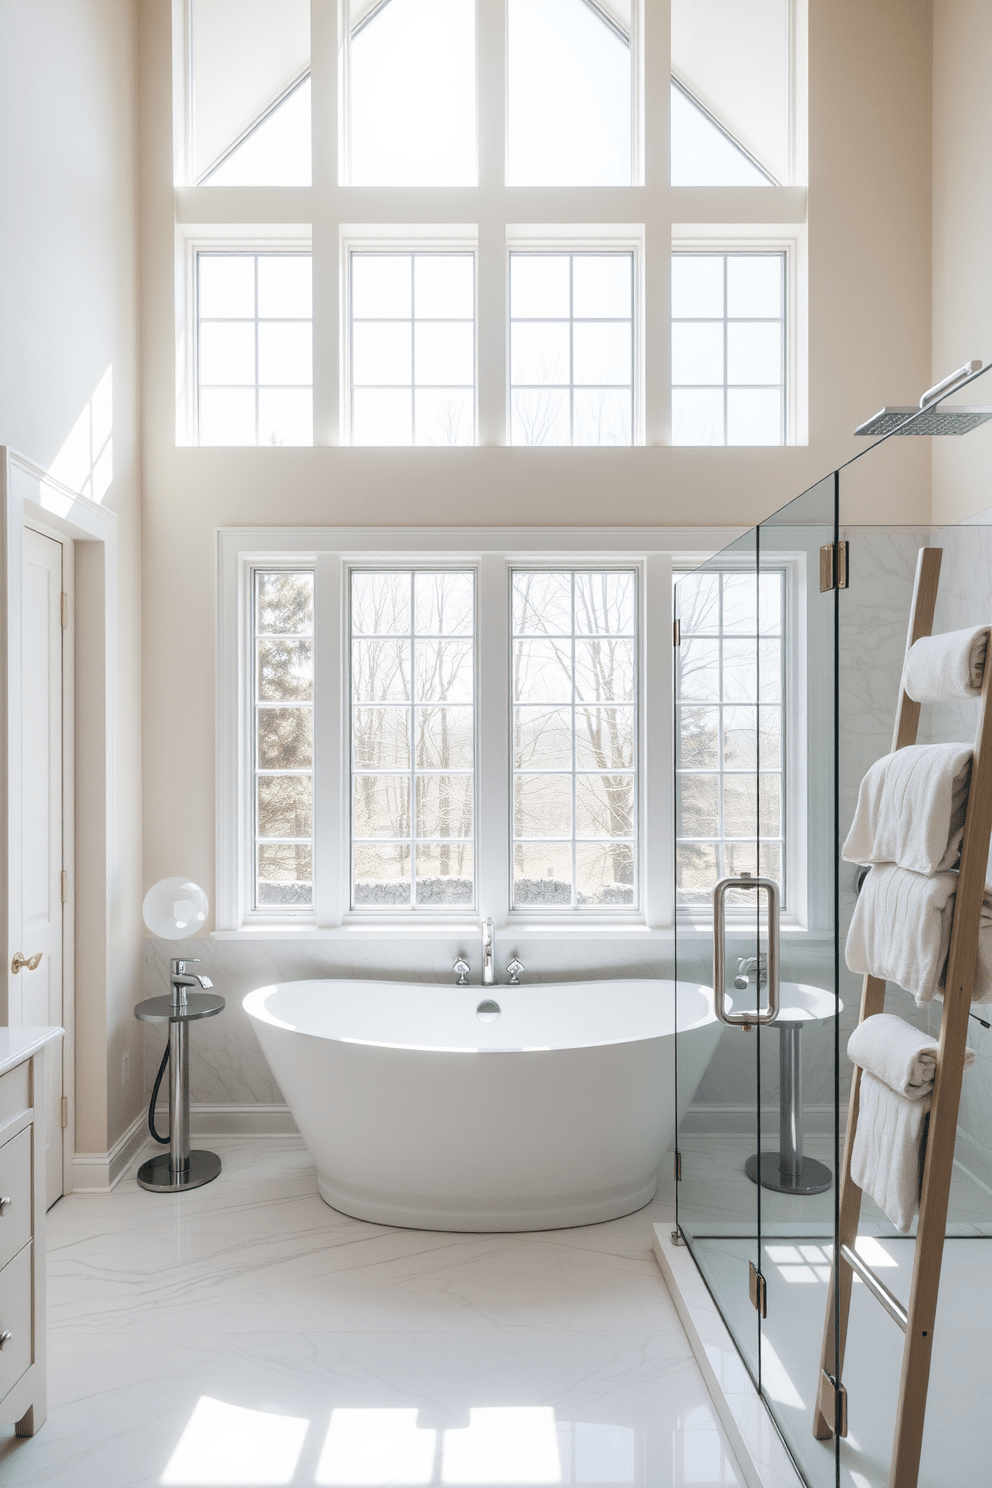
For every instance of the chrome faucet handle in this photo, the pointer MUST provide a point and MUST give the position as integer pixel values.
(513, 971)
(462, 968)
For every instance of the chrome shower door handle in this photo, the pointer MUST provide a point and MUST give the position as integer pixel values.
(761, 1015)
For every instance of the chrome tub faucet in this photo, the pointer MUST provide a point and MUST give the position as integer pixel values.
(488, 959)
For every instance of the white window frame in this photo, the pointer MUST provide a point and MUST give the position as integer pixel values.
(666, 214)
(804, 750)
(791, 242)
(192, 240)
(400, 238)
(493, 553)
(620, 237)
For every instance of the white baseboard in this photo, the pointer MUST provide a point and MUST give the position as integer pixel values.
(99, 1172)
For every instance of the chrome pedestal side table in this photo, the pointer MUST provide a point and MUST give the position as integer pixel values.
(179, 1168)
(788, 1170)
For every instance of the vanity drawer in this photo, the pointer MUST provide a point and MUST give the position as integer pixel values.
(15, 1092)
(15, 1319)
(15, 1185)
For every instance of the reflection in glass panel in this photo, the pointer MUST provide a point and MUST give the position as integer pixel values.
(413, 737)
(412, 348)
(254, 351)
(282, 644)
(411, 92)
(571, 348)
(728, 348)
(574, 738)
(729, 688)
(570, 82)
(250, 92)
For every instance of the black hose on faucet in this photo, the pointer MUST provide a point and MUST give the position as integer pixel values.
(162, 1141)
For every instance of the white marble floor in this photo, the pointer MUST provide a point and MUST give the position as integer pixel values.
(718, 1209)
(246, 1334)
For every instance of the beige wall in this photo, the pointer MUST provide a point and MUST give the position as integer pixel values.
(68, 312)
(962, 240)
(869, 274)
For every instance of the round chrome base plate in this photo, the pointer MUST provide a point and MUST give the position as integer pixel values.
(814, 1178)
(156, 1177)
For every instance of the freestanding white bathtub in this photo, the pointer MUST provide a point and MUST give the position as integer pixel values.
(420, 1112)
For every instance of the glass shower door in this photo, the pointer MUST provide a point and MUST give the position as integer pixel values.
(716, 838)
(755, 795)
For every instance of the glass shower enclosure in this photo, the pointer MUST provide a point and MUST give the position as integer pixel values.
(790, 646)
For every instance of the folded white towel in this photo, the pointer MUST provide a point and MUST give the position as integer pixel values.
(901, 931)
(911, 808)
(943, 667)
(897, 1053)
(889, 1148)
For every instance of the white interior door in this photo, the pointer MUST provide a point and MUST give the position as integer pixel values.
(42, 835)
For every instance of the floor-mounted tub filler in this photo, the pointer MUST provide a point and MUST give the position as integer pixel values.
(424, 1108)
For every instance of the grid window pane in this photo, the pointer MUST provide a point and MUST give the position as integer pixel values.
(413, 737)
(412, 338)
(569, 94)
(730, 747)
(282, 643)
(571, 348)
(728, 348)
(254, 353)
(574, 740)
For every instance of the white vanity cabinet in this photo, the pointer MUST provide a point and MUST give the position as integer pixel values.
(22, 1225)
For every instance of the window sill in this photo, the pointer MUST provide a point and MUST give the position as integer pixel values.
(438, 930)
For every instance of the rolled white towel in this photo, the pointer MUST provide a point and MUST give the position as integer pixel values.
(897, 1053)
(941, 668)
(889, 1148)
(901, 931)
(911, 808)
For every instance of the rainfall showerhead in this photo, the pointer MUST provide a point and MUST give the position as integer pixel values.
(940, 419)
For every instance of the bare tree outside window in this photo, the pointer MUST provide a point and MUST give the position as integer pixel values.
(574, 738)
(413, 737)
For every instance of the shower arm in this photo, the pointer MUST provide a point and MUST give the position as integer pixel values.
(950, 381)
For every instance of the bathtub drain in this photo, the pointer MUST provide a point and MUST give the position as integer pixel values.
(488, 1011)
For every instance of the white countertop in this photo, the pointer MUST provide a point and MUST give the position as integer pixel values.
(18, 1044)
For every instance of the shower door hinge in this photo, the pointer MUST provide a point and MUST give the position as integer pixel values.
(678, 1167)
(757, 1290)
(65, 887)
(65, 610)
(65, 1112)
(834, 566)
(676, 632)
(832, 1403)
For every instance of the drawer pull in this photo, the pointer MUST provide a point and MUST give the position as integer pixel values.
(5, 1337)
(4, 1201)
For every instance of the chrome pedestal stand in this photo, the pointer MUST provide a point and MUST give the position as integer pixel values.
(787, 1171)
(179, 1168)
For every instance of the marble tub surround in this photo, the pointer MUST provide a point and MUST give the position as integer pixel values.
(247, 1334)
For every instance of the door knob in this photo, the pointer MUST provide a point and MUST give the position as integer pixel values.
(5, 1337)
(21, 961)
(4, 1202)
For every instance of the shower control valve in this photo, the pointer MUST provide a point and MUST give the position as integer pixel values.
(461, 968)
(513, 971)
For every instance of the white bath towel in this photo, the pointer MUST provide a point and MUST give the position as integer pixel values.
(889, 1147)
(911, 808)
(897, 1053)
(901, 931)
(943, 667)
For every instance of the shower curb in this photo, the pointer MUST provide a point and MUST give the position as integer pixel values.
(759, 1449)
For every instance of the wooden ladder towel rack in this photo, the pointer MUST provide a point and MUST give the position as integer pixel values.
(917, 1320)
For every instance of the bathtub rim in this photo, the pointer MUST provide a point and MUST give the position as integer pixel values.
(264, 1016)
